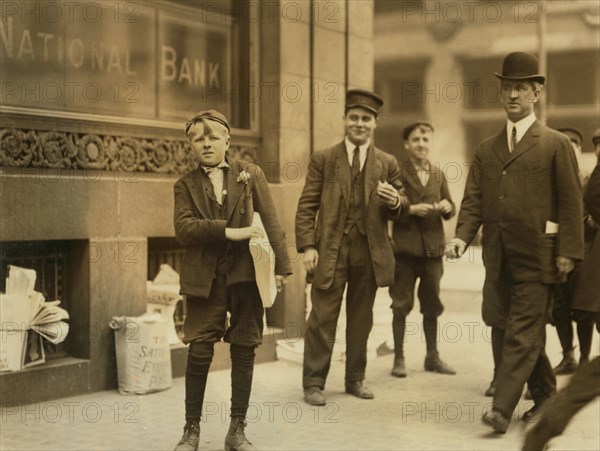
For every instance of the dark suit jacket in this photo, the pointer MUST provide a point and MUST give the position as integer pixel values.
(514, 195)
(327, 192)
(422, 237)
(586, 294)
(203, 235)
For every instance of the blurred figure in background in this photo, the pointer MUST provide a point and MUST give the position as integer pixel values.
(563, 313)
(584, 387)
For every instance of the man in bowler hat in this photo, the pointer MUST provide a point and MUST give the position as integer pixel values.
(523, 188)
(351, 191)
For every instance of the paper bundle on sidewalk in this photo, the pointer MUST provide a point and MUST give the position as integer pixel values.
(24, 319)
(143, 354)
(263, 257)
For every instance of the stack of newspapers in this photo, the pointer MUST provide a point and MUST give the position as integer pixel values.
(26, 318)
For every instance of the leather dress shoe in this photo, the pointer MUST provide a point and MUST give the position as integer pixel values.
(399, 369)
(491, 390)
(435, 364)
(496, 420)
(529, 415)
(313, 395)
(568, 365)
(359, 390)
(190, 438)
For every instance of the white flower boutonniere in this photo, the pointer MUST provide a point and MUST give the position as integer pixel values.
(243, 177)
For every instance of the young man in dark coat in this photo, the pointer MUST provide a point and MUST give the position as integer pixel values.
(351, 191)
(523, 188)
(214, 207)
(419, 246)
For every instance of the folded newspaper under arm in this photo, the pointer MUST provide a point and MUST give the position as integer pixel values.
(263, 258)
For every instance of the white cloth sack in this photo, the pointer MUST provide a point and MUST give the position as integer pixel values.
(143, 354)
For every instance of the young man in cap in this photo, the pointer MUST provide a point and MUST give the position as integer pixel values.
(351, 190)
(562, 312)
(524, 189)
(419, 246)
(214, 206)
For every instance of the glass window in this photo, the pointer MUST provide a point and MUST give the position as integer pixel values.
(481, 86)
(401, 83)
(152, 60)
(573, 78)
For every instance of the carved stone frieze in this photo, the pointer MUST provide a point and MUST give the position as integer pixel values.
(67, 150)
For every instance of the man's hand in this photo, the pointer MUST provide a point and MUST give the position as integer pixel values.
(565, 265)
(421, 210)
(455, 248)
(388, 194)
(443, 206)
(280, 281)
(311, 258)
(245, 233)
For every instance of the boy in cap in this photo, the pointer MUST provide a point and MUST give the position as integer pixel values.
(351, 191)
(214, 206)
(530, 210)
(419, 246)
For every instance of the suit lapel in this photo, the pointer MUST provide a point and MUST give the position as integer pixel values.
(431, 180)
(234, 188)
(342, 172)
(528, 141)
(199, 192)
(372, 172)
(500, 146)
(412, 178)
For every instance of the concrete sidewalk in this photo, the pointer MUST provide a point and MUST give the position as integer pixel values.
(423, 411)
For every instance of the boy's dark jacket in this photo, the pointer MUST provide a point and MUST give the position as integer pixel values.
(413, 235)
(203, 235)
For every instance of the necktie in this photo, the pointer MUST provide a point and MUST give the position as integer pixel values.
(355, 164)
(513, 139)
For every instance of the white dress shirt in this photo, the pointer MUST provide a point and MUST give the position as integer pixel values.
(215, 175)
(522, 127)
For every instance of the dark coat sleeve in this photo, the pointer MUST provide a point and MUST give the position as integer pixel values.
(395, 179)
(309, 204)
(570, 205)
(469, 218)
(445, 194)
(592, 195)
(263, 204)
(190, 228)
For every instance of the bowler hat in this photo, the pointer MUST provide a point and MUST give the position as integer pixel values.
(572, 132)
(596, 137)
(363, 99)
(211, 115)
(521, 66)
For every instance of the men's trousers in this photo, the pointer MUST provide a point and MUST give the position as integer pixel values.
(355, 269)
(524, 357)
